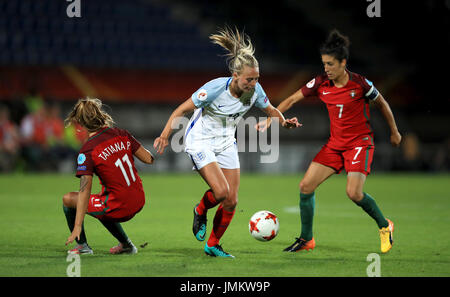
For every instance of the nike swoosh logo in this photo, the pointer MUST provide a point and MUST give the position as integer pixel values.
(220, 106)
(354, 162)
(326, 93)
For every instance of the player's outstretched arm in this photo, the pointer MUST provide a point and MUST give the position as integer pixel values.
(144, 155)
(273, 112)
(82, 205)
(286, 104)
(163, 140)
(386, 111)
(282, 107)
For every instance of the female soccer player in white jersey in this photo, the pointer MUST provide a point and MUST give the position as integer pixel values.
(209, 136)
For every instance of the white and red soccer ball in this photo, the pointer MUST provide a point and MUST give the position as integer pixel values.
(264, 225)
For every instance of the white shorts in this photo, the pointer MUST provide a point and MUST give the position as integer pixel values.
(227, 159)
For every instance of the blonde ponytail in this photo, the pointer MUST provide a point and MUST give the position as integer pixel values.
(239, 47)
(89, 114)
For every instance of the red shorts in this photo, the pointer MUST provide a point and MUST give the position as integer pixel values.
(357, 159)
(106, 207)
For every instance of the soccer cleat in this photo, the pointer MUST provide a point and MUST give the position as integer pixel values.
(387, 237)
(301, 244)
(217, 251)
(199, 225)
(129, 248)
(81, 249)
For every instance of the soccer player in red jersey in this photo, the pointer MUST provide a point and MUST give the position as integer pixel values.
(109, 154)
(347, 96)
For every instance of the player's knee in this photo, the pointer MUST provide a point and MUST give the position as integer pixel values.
(230, 203)
(221, 192)
(354, 195)
(306, 187)
(69, 200)
(66, 200)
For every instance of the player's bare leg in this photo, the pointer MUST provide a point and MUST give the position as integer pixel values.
(216, 178)
(125, 245)
(314, 176)
(218, 191)
(70, 210)
(70, 199)
(233, 177)
(224, 214)
(355, 184)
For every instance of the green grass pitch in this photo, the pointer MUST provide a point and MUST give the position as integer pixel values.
(33, 229)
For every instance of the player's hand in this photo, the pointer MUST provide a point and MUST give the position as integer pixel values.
(263, 125)
(75, 235)
(291, 123)
(160, 144)
(396, 138)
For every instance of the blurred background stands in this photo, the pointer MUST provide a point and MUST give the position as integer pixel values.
(144, 57)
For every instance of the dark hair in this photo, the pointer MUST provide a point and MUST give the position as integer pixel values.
(336, 45)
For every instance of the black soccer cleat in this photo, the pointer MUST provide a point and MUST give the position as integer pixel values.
(199, 225)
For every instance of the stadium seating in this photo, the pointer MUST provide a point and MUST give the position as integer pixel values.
(114, 33)
(145, 56)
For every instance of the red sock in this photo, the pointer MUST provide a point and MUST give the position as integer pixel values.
(208, 201)
(221, 221)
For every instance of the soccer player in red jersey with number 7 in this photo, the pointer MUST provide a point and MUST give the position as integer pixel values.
(109, 154)
(347, 96)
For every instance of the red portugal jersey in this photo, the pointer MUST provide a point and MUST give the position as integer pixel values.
(348, 109)
(109, 154)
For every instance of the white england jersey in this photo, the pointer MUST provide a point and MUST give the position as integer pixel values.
(214, 122)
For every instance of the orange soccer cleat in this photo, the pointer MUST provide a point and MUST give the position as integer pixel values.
(301, 244)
